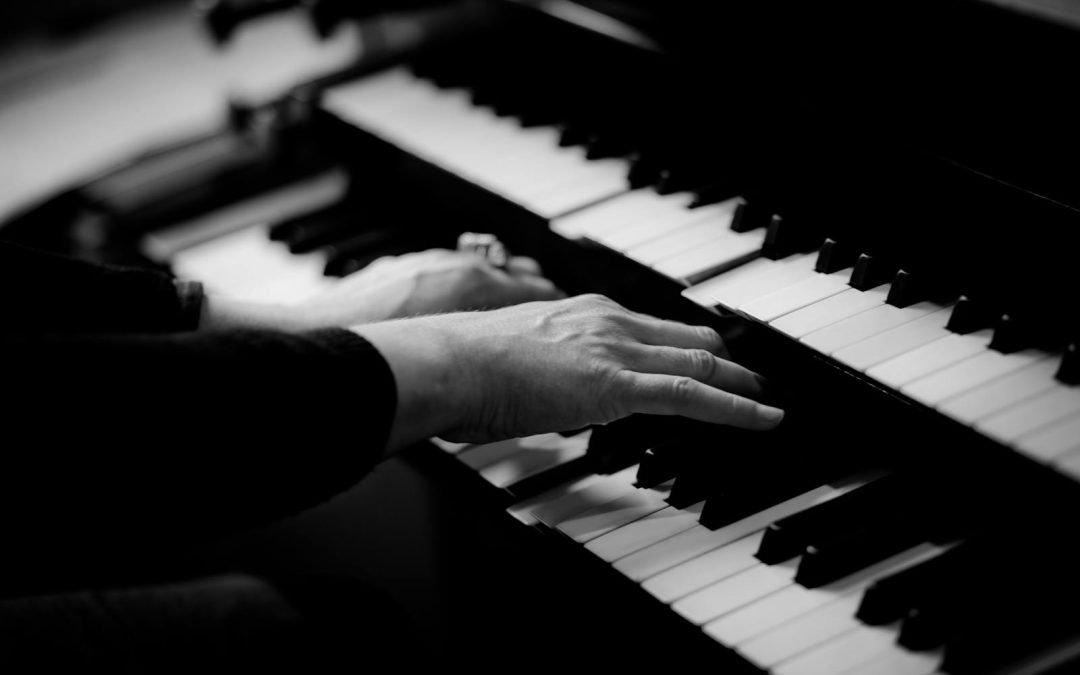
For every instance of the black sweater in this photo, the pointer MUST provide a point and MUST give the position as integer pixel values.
(124, 427)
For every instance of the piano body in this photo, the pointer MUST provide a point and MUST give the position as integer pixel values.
(875, 205)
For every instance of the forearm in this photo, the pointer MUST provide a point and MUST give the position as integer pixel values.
(189, 433)
(41, 292)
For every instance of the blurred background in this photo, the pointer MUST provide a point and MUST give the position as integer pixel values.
(85, 84)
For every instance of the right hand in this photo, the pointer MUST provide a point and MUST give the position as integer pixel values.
(554, 366)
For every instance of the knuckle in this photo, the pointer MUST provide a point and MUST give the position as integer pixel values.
(702, 362)
(710, 337)
(683, 388)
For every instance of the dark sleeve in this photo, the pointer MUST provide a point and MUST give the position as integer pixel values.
(112, 442)
(41, 291)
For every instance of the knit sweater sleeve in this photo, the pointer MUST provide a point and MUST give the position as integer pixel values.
(115, 439)
(42, 291)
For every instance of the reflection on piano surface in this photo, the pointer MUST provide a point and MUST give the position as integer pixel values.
(898, 265)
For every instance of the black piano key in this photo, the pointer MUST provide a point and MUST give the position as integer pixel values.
(738, 501)
(644, 170)
(826, 561)
(788, 537)
(573, 134)
(689, 488)
(357, 261)
(1069, 370)
(785, 236)
(316, 233)
(871, 271)
(907, 288)
(924, 627)
(604, 146)
(760, 470)
(750, 215)
(1011, 334)
(343, 256)
(714, 193)
(969, 315)
(658, 465)
(834, 256)
(889, 599)
(623, 443)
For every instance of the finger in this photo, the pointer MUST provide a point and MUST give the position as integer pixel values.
(700, 364)
(521, 265)
(653, 331)
(654, 394)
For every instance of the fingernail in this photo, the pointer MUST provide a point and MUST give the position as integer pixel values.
(771, 415)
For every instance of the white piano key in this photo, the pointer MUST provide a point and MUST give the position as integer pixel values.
(900, 661)
(1001, 393)
(708, 568)
(888, 344)
(798, 295)
(443, 127)
(679, 241)
(768, 277)
(602, 491)
(711, 257)
(795, 600)
(372, 91)
(981, 368)
(589, 190)
(859, 327)
(602, 217)
(604, 518)
(534, 455)
(930, 358)
(716, 216)
(707, 292)
(524, 511)
(735, 591)
(637, 535)
(1053, 441)
(846, 651)
(834, 308)
(1069, 465)
(754, 279)
(625, 238)
(699, 539)
(802, 633)
(1034, 413)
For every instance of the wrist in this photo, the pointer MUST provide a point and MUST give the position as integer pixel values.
(432, 397)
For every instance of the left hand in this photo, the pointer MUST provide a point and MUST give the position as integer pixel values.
(427, 282)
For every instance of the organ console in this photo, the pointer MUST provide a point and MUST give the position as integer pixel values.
(876, 207)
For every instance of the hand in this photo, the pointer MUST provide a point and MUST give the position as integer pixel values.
(555, 366)
(427, 282)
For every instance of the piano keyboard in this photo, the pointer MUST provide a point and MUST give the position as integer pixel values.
(819, 608)
(790, 588)
(525, 165)
(1013, 397)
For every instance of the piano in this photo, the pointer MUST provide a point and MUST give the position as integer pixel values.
(877, 208)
